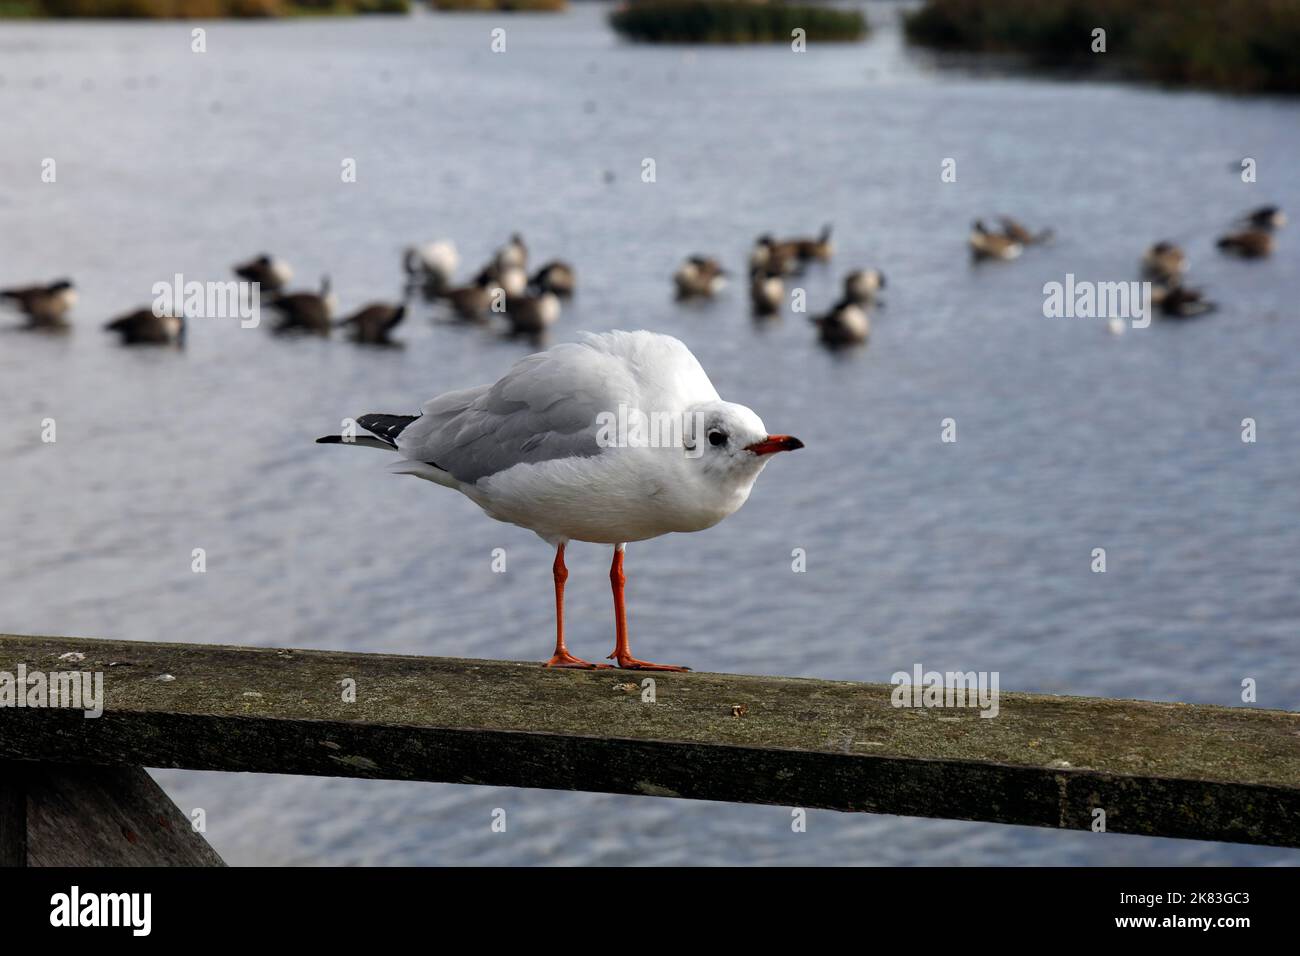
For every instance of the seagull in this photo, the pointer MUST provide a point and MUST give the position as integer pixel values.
(554, 447)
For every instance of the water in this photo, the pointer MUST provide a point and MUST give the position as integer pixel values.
(972, 555)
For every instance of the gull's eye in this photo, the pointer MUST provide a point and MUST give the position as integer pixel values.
(717, 437)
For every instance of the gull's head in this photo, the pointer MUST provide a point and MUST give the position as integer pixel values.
(730, 443)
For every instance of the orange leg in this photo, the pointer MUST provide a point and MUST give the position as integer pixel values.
(562, 657)
(622, 651)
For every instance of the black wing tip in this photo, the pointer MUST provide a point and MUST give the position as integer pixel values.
(386, 427)
(330, 440)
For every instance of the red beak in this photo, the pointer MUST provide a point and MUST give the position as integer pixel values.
(774, 443)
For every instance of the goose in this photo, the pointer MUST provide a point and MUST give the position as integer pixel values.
(271, 274)
(1249, 244)
(371, 324)
(513, 254)
(1019, 233)
(1265, 217)
(845, 324)
(861, 286)
(766, 291)
(1164, 261)
(532, 314)
(820, 248)
(472, 302)
(512, 279)
(1177, 301)
(777, 258)
(699, 277)
(992, 245)
(431, 266)
(145, 327)
(556, 276)
(45, 306)
(308, 312)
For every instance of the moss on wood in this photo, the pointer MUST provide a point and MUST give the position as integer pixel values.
(1156, 768)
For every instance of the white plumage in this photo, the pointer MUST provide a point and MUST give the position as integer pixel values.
(541, 448)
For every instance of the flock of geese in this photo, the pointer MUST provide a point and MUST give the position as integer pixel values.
(771, 261)
(1164, 263)
(530, 303)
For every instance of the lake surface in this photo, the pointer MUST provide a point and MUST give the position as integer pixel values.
(972, 555)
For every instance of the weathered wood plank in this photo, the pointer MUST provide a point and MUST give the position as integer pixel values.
(107, 816)
(1177, 770)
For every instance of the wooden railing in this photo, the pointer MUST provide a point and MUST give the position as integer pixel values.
(72, 789)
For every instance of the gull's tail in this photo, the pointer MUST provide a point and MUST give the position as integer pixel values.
(385, 428)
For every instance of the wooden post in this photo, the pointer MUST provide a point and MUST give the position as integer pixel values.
(13, 816)
(107, 816)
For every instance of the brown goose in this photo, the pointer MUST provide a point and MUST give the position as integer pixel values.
(45, 306)
(512, 279)
(1021, 234)
(371, 324)
(861, 286)
(820, 248)
(556, 276)
(1249, 244)
(1164, 261)
(1179, 302)
(532, 314)
(514, 254)
(766, 291)
(992, 245)
(845, 324)
(271, 274)
(699, 277)
(472, 302)
(307, 312)
(431, 266)
(1265, 217)
(778, 258)
(144, 327)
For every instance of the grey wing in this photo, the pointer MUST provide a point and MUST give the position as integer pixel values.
(544, 408)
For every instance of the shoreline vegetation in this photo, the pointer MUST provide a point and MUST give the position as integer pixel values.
(735, 21)
(1219, 44)
(193, 9)
(248, 9)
